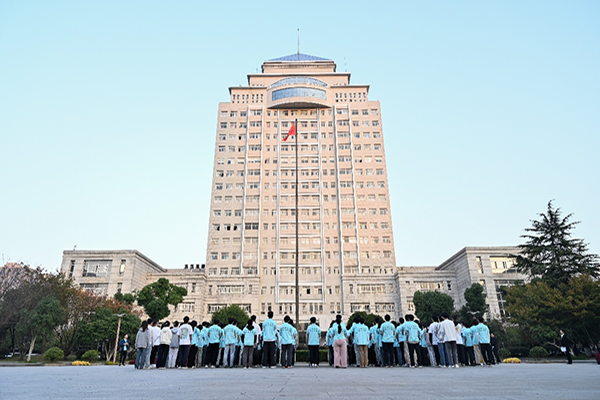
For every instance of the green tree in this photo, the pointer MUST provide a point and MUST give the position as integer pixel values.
(48, 314)
(581, 310)
(156, 298)
(551, 254)
(476, 305)
(369, 318)
(535, 308)
(80, 306)
(429, 304)
(127, 298)
(231, 311)
(101, 331)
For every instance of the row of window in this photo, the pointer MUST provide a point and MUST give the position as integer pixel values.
(367, 307)
(304, 255)
(295, 113)
(286, 124)
(253, 226)
(303, 148)
(365, 270)
(303, 199)
(245, 97)
(306, 308)
(303, 160)
(213, 308)
(303, 136)
(303, 240)
(427, 286)
(252, 212)
(303, 172)
(304, 185)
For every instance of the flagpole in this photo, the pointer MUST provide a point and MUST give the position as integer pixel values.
(297, 243)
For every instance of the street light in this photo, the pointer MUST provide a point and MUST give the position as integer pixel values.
(117, 338)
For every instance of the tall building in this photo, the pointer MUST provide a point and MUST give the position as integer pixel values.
(345, 225)
(346, 243)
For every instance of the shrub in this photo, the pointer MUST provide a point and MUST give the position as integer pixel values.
(519, 351)
(538, 352)
(54, 354)
(80, 363)
(302, 355)
(79, 353)
(597, 355)
(109, 363)
(512, 360)
(4, 351)
(504, 353)
(90, 355)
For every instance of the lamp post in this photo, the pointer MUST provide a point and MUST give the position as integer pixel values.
(117, 338)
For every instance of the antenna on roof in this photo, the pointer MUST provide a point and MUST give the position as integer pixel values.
(345, 67)
(298, 44)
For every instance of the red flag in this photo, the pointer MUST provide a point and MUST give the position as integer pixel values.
(291, 132)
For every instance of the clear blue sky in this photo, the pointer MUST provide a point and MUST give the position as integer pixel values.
(108, 114)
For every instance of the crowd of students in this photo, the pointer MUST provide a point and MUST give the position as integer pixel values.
(442, 343)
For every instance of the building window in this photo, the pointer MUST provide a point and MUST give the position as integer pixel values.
(479, 264)
(122, 268)
(100, 289)
(298, 92)
(97, 267)
(72, 268)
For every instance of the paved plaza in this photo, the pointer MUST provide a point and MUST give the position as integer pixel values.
(524, 381)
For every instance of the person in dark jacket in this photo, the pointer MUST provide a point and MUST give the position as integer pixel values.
(565, 346)
(494, 343)
(123, 349)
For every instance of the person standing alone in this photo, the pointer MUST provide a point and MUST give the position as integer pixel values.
(565, 346)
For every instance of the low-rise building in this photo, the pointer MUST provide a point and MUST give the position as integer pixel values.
(380, 292)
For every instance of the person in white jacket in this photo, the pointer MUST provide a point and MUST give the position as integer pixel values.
(449, 331)
(165, 341)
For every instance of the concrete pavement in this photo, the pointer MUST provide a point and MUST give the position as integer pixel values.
(507, 381)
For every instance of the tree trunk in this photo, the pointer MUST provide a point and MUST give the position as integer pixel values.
(12, 339)
(31, 348)
(44, 343)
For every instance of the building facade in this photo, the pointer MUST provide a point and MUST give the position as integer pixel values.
(111, 271)
(346, 244)
(345, 224)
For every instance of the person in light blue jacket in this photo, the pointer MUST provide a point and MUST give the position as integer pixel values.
(340, 346)
(401, 338)
(413, 334)
(468, 341)
(250, 335)
(214, 334)
(313, 333)
(203, 351)
(387, 332)
(231, 334)
(361, 338)
(484, 342)
(286, 331)
(269, 339)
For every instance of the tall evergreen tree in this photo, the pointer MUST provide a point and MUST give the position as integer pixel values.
(476, 305)
(550, 253)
